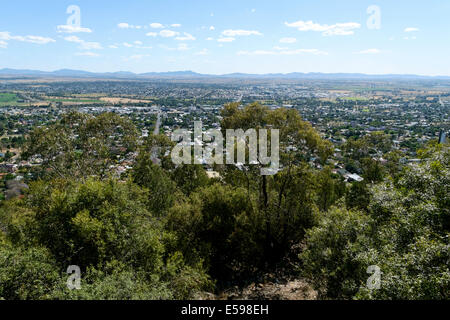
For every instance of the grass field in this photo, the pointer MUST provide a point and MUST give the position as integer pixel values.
(11, 99)
(8, 99)
(356, 99)
(75, 100)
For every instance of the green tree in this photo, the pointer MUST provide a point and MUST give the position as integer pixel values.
(81, 145)
(405, 232)
(373, 171)
(190, 177)
(358, 196)
(217, 223)
(162, 191)
(288, 202)
(27, 273)
(97, 224)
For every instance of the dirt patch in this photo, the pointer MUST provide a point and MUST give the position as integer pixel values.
(288, 290)
(123, 100)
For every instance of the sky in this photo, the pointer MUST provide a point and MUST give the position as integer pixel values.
(219, 37)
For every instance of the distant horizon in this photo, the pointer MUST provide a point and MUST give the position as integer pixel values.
(17, 71)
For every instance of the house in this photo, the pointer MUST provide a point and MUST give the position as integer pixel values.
(354, 177)
(213, 174)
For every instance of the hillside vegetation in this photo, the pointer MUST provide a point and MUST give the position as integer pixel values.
(167, 232)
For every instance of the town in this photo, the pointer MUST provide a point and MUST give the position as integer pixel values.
(402, 116)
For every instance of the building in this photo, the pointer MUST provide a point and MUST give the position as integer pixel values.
(354, 177)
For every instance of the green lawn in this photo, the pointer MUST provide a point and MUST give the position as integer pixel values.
(76, 100)
(7, 99)
(356, 99)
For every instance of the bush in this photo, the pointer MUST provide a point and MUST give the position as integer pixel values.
(330, 260)
(27, 274)
(405, 232)
(105, 229)
(217, 223)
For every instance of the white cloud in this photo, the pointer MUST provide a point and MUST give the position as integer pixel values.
(181, 47)
(212, 28)
(6, 36)
(175, 25)
(168, 33)
(369, 51)
(228, 39)
(283, 52)
(202, 52)
(410, 38)
(73, 39)
(253, 10)
(288, 40)
(186, 37)
(156, 25)
(411, 29)
(280, 48)
(113, 46)
(338, 29)
(256, 53)
(124, 25)
(37, 39)
(3, 44)
(209, 39)
(72, 29)
(234, 33)
(91, 46)
(135, 44)
(87, 54)
(84, 44)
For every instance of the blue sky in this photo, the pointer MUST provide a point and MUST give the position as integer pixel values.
(219, 37)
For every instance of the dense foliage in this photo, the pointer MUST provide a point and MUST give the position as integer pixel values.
(404, 231)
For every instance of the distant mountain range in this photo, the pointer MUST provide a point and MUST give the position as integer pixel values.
(67, 73)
